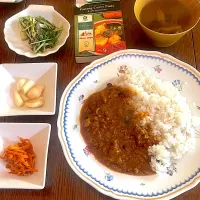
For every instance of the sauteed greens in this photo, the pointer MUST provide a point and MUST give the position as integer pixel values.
(41, 33)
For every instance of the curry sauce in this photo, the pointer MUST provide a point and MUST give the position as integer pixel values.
(111, 127)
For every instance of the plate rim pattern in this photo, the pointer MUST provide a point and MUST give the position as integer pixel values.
(62, 124)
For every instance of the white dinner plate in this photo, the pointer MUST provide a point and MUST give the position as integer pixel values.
(95, 77)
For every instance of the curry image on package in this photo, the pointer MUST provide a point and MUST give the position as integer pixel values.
(109, 34)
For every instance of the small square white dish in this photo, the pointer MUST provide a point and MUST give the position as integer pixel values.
(12, 30)
(10, 1)
(41, 73)
(38, 134)
(7, 1)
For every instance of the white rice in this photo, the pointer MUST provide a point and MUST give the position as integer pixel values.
(170, 117)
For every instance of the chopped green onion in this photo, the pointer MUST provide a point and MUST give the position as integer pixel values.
(40, 32)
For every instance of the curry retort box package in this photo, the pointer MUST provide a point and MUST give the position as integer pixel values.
(98, 29)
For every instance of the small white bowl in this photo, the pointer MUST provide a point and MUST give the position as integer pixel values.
(12, 30)
(39, 135)
(41, 73)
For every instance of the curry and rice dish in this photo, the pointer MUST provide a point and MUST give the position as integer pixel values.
(109, 122)
(138, 125)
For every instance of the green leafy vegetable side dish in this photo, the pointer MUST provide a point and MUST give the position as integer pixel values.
(41, 33)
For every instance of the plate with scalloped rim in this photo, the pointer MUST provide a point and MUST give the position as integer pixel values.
(95, 77)
(12, 30)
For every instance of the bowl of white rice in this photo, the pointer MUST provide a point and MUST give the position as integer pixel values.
(167, 89)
